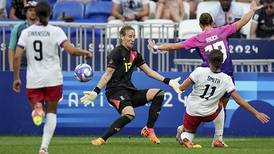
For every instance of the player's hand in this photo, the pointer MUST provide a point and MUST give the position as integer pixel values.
(17, 85)
(262, 117)
(174, 83)
(152, 44)
(89, 54)
(89, 96)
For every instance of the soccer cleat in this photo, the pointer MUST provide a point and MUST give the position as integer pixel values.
(97, 142)
(179, 132)
(218, 144)
(150, 134)
(38, 114)
(43, 151)
(187, 143)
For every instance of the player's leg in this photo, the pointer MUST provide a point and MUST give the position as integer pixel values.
(191, 123)
(50, 125)
(219, 129)
(121, 101)
(36, 99)
(52, 96)
(156, 96)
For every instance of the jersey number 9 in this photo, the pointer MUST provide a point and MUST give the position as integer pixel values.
(37, 46)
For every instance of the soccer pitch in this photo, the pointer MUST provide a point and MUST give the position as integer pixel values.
(132, 145)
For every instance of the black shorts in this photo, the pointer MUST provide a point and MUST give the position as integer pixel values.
(121, 98)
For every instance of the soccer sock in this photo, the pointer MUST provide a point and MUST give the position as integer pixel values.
(117, 125)
(155, 108)
(189, 136)
(49, 129)
(219, 125)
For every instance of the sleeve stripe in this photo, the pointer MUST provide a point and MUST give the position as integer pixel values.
(231, 91)
(191, 80)
(20, 46)
(62, 43)
(111, 66)
(140, 63)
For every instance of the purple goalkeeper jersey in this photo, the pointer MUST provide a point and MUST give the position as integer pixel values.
(215, 38)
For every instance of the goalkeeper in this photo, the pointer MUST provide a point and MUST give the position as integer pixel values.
(122, 94)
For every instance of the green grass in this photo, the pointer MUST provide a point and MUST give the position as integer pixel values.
(133, 145)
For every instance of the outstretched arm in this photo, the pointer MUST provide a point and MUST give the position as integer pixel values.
(246, 17)
(75, 51)
(155, 75)
(260, 116)
(165, 46)
(90, 96)
(186, 84)
(106, 77)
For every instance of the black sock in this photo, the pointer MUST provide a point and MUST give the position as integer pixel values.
(117, 125)
(155, 108)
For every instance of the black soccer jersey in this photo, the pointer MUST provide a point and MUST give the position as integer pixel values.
(124, 61)
(265, 27)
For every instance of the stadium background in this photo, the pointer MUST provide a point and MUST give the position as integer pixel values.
(254, 82)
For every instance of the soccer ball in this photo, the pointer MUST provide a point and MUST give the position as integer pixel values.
(83, 72)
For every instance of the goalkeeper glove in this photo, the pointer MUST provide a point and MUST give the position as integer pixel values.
(174, 83)
(90, 96)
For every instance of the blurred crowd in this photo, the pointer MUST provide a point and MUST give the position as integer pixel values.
(262, 25)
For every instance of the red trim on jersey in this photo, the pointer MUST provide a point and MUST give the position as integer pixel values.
(133, 55)
(191, 123)
(116, 102)
(51, 94)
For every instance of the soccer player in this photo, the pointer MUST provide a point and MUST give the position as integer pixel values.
(122, 94)
(212, 38)
(209, 85)
(29, 10)
(44, 75)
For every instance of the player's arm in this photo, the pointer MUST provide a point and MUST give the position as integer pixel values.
(259, 115)
(155, 75)
(75, 51)
(186, 84)
(90, 96)
(165, 46)
(12, 46)
(246, 17)
(253, 30)
(16, 67)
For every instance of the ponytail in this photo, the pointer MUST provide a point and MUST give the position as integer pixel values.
(43, 11)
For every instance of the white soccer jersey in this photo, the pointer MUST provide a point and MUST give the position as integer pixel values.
(41, 44)
(207, 89)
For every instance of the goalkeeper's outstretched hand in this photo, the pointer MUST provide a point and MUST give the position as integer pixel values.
(174, 83)
(89, 96)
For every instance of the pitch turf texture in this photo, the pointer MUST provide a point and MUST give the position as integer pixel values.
(132, 145)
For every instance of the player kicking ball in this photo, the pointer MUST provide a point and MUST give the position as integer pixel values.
(209, 85)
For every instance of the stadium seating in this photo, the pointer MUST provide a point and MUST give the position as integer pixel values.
(73, 9)
(8, 7)
(98, 11)
(162, 28)
(206, 7)
(189, 28)
(114, 27)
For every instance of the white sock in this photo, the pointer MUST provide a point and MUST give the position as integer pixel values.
(219, 125)
(189, 136)
(49, 129)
